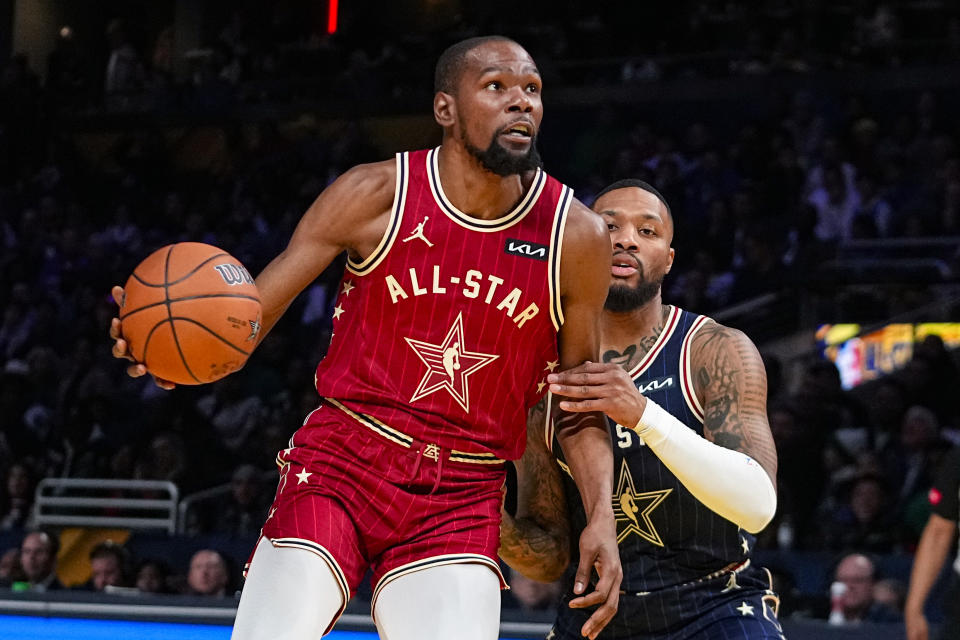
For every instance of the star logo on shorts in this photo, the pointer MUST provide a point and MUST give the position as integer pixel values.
(632, 510)
(448, 365)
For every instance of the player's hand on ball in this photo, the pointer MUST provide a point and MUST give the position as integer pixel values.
(598, 550)
(121, 350)
(594, 386)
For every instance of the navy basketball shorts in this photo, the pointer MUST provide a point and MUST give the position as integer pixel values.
(734, 606)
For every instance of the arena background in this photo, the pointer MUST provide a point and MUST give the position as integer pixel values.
(808, 149)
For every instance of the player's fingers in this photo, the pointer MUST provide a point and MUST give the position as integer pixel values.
(136, 370)
(163, 384)
(575, 378)
(114, 328)
(120, 350)
(599, 619)
(582, 577)
(581, 406)
(117, 294)
(592, 599)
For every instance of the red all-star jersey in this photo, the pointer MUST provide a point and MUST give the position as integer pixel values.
(447, 331)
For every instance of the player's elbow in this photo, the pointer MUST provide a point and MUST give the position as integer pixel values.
(761, 507)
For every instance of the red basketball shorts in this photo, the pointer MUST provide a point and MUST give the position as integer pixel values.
(359, 500)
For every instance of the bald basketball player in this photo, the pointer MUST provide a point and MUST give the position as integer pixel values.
(471, 276)
(695, 463)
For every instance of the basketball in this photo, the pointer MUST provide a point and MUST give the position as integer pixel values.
(190, 313)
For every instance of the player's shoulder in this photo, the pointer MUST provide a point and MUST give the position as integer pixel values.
(371, 179)
(713, 336)
(585, 230)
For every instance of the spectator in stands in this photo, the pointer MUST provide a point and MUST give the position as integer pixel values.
(836, 203)
(110, 566)
(208, 574)
(152, 577)
(38, 557)
(858, 573)
(124, 74)
(17, 499)
(243, 512)
(10, 570)
(862, 519)
(890, 593)
(914, 457)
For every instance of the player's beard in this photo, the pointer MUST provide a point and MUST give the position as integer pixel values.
(496, 159)
(622, 298)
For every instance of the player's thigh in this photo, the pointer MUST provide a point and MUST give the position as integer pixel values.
(439, 603)
(290, 594)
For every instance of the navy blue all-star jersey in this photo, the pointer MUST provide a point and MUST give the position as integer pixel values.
(667, 537)
(680, 559)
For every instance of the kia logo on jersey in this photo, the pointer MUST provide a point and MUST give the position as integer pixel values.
(655, 385)
(526, 249)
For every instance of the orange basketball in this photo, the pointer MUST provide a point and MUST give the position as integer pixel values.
(191, 313)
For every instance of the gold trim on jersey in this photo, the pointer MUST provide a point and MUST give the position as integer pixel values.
(428, 563)
(402, 439)
(477, 224)
(556, 245)
(673, 321)
(686, 381)
(393, 225)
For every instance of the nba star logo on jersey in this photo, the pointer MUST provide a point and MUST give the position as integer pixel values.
(448, 365)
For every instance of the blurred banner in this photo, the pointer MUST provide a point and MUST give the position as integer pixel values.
(864, 357)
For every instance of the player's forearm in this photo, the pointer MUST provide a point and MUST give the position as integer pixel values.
(585, 441)
(728, 482)
(932, 550)
(537, 552)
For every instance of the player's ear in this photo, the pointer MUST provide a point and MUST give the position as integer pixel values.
(670, 260)
(444, 109)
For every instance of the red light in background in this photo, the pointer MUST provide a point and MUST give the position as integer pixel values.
(332, 16)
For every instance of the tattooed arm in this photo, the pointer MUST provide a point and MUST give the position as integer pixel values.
(731, 469)
(731, 383)
(536, 541)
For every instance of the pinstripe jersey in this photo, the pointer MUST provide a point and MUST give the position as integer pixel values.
(667, 537)
(447, 331)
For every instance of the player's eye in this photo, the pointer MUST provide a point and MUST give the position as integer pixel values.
(533, 88)
(611, 226)
(493, 85)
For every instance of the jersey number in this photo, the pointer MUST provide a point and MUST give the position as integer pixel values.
(624, 437)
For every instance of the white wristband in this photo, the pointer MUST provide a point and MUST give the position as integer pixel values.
(730, 483)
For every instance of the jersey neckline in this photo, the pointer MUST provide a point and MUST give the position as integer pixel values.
(497, 224)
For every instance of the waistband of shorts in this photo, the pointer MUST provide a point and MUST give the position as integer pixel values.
(429, 450)
(732, 568)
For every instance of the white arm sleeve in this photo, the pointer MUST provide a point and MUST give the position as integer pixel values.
(730, 483)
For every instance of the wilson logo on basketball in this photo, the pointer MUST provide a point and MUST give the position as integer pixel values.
(234, 274)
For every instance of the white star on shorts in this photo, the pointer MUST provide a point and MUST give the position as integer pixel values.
(303, 476)
(745, 609)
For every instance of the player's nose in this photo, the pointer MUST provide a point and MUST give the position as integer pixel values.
(520, 101)
(624, 239)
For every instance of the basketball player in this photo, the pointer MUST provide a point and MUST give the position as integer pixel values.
(694, 459)
(471, 276)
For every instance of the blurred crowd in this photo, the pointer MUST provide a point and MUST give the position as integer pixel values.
(757, 204)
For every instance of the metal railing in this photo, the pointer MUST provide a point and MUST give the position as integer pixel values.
(190, 501)
(94, 502)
